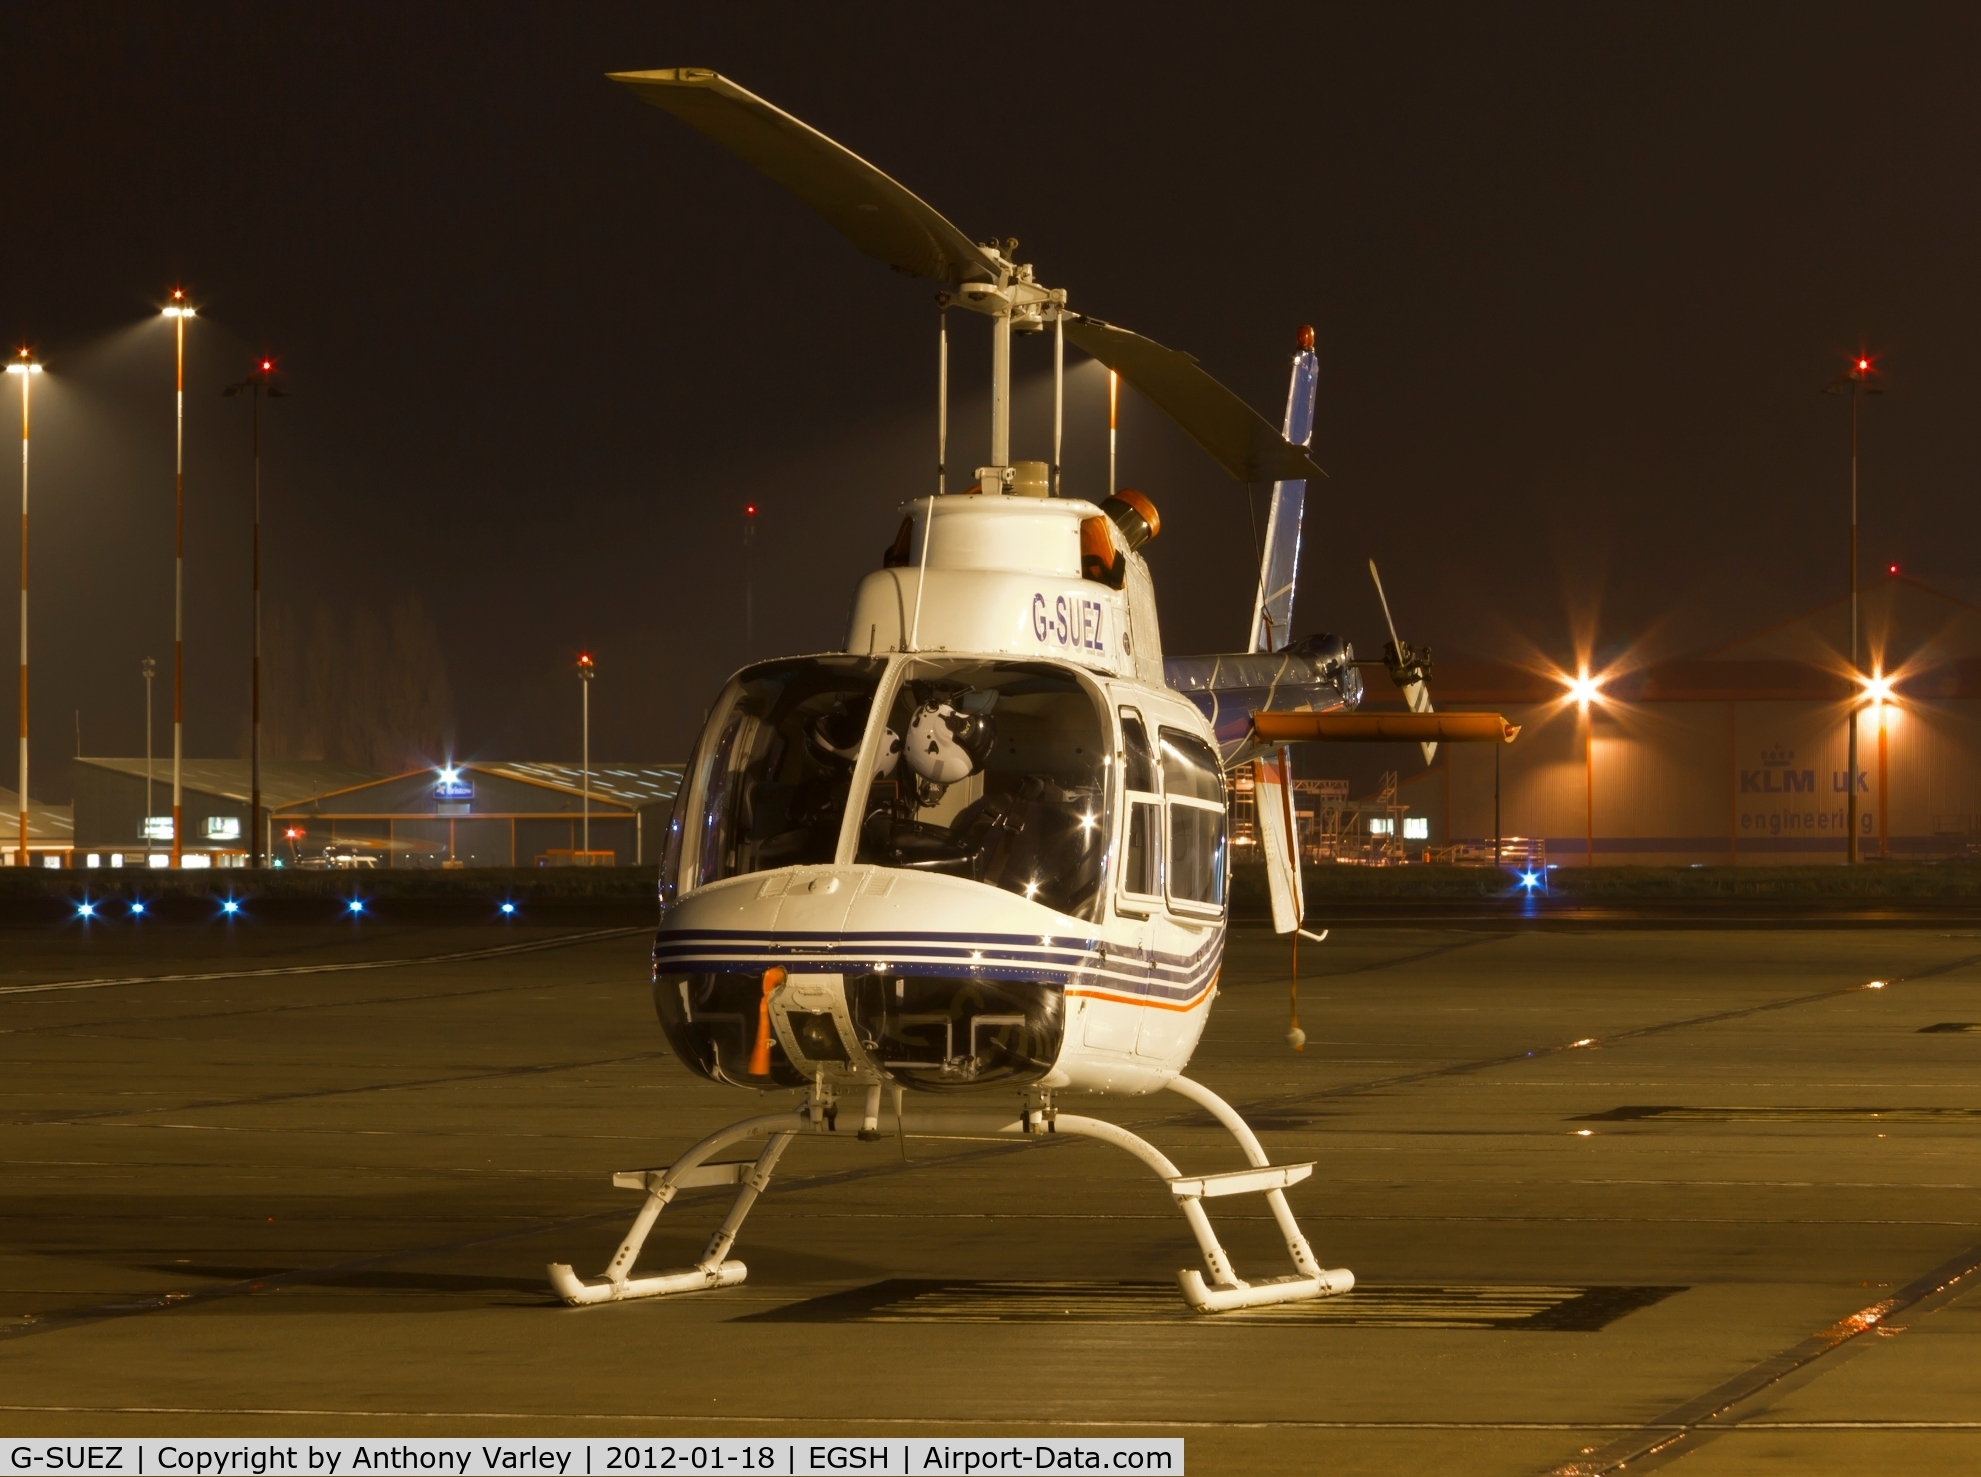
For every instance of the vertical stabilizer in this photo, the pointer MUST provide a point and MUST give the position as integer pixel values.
(1272, 605)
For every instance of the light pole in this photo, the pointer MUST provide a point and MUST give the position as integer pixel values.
(256, 385)
(179, 310)
(1853, 382)
(585, 674)
(749, 576)
(150, 669)
(1584, 690)
(27, 369)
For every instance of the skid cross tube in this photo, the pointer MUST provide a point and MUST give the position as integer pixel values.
(1223, 1291)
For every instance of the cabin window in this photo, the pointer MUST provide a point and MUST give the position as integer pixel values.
(995, 772)
(1193, 796)
(1141, 833)
(776, 763)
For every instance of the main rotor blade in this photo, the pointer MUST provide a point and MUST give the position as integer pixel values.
(1241, 440)
(875, 213)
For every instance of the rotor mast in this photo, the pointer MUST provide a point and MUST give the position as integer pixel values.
(1015, 303)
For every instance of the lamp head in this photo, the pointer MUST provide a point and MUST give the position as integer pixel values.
(1584, 689)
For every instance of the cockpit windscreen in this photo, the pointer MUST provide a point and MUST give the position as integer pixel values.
(993, 771)
(777, 763)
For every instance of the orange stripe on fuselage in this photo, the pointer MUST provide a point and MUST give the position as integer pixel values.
(1203, 998)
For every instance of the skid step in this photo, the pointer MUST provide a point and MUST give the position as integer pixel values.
(702, 1176)
(1239, 1181)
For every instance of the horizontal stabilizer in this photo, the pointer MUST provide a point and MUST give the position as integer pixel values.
(1243, 441)
(1381, 728)
(882, 217)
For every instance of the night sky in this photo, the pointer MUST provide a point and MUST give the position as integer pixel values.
(1578, 274)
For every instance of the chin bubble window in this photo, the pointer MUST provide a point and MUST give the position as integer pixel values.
(1193, 795)
(994, 772)
(774, 767)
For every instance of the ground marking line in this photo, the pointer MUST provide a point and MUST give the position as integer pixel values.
(1665, 1434)
(529, 1069)
(1587, 1043)
(1432, 953)
(1024, 1423)
(53, 1322)
(1045, 1423)
(341, 967)
(286, 1008)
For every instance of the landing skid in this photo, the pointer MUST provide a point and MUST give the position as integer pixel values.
(1220, 1291)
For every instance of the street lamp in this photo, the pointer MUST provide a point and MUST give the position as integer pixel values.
(24, 366)
(1878, 690)
(1582, 691)
(256, 384)
(749, 576)
(585, 674)
(1853, 382)
(150, 670)
(179, 310)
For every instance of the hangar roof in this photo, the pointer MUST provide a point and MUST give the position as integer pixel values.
(47, 824)
(283, 781)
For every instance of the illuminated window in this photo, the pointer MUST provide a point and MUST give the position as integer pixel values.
(1416, 828)
(156, 828)
(223, 828)
(1382, 825)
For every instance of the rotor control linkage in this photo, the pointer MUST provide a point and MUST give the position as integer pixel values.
(1224, 1290)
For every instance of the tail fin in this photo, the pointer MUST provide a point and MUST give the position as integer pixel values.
(1272, 605)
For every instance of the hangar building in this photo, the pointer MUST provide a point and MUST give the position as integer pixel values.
(1736, 755)
(119, 815)
(485, 814)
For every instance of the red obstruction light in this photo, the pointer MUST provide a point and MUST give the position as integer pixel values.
(1862, 365)
(749, 510)
(266, 366)
(1891, 569)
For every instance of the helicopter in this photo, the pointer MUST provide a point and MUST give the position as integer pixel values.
(979, 850)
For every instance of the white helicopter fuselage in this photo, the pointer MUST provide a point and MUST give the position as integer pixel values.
(1053, 920)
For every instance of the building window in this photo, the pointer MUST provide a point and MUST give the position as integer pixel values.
(1416, 828)
(223, 828)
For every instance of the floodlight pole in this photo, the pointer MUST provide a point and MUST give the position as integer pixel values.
(1589, 783)
(1852, 382)
(150, 668)
(749, 577)
(255, 384)
(585, 674)
(27, 369)
(179, 312)
(1850, 759)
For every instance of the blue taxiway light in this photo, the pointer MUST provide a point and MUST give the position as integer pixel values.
(357, 905)
(1530, 880)
(230, 907)
(508, 907)
(137, 910)
(86, 910)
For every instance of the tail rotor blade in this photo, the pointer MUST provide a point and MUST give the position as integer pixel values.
(1409, 666)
